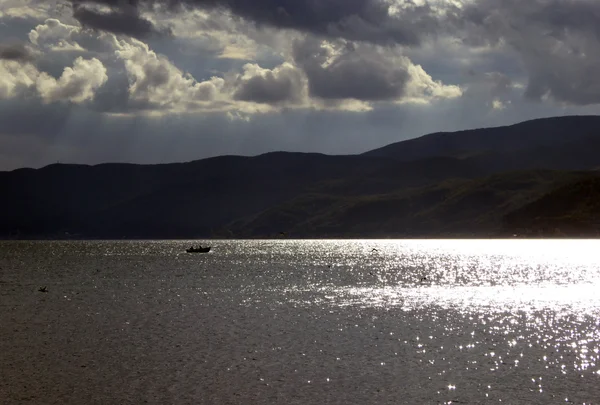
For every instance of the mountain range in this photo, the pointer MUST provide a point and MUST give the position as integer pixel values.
(536, 179)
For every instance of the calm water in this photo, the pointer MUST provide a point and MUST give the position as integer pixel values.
(300, 322)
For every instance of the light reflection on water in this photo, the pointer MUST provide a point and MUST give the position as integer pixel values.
(490, 308)
(462, 275)
(348, 321)
(575, 298)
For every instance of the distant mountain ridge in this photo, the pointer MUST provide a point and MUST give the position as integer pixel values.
(544, 132)
(467, 183)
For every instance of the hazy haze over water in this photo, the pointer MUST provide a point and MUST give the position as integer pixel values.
(300, 322)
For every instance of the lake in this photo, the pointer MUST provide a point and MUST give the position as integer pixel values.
(300, 322)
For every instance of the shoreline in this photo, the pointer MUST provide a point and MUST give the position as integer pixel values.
(432, 237)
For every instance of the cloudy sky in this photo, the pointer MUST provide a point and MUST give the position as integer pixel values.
(152, 81)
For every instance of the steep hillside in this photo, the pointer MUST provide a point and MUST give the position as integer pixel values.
(572, 210)
(453, 208)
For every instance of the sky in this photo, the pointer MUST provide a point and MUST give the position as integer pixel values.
(159, 81)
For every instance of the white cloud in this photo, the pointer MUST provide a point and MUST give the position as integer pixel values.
(498, 105)
(229, 36)
(352, 77)
(28, 8)
(284, 84)
(421, 88)
(16, 78)
(77, 84)
(52, 30)
(155, 83)
(56, 36)
(344, 70)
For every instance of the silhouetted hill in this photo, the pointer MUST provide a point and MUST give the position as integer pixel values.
(528, 135)
(452, 208)
(454, 184)
(572, 210)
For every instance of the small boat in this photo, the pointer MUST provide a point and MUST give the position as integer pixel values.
(199, 249)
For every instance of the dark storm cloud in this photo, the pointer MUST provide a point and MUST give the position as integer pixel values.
(15, 51)
(112, 97)
(351, 19)
(367, 20)
(358, 72)
(493, 84)
(556, 40)
(557, 16)
(121, 20)
(283, 85)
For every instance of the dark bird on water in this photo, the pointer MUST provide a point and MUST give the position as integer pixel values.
(43, 289)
